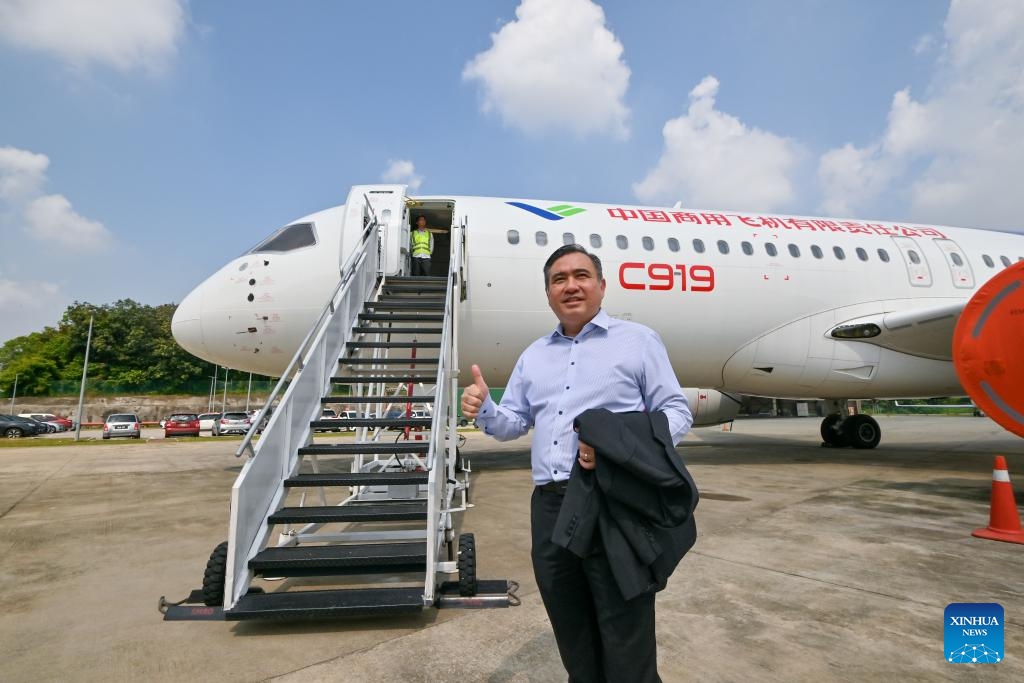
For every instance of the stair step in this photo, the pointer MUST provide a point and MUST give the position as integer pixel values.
(393, 345)
(428, 280)
(381, 512)
(397, 330)
(323, 560)
(378, 399)
(388, 361)
(376, 379)
(327, 604)
(357, 479)
(404, 305)
(401, 317)
(375, 447)
(385, 422)
(406, 289)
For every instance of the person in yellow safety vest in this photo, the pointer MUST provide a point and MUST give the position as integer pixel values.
(422, 247)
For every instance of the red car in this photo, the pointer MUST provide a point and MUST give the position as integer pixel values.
(182, 424)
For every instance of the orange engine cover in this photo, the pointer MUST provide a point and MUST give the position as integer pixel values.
(988, 348)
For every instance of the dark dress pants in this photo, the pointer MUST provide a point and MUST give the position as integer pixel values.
(421, 267)
(600, 636)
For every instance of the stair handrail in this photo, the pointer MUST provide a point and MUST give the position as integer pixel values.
(251, 505)
(440, 482)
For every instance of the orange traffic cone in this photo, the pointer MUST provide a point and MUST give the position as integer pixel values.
(1003, 520)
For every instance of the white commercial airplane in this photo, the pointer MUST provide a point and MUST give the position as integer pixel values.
(746, 302)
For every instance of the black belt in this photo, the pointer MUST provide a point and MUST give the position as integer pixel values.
(557, 487)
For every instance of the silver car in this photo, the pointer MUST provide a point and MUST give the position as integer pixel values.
(122, 424)
(228, 423)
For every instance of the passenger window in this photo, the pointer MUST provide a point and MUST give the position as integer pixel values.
(914, 258)
(513, 237)
(988, 260)
(861, 254)
(673, 244)
(595, 241)
(883, 255)
(648, 243)
(816, 251)
(698, 246)
(1006, 261)
(542, 238)
(955, 258)
(621, 241)
(794, 251)
(568, 238)
(840, 254)
(288, 238)
(723, 247)
(770, 249)
(748, 248)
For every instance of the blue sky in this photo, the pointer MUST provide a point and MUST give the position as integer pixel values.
(144, 143)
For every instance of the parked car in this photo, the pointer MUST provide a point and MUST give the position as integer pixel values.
(60, 424)
(41, 427)
(206, 421)
(237, 423)
(181, 424)
(122, 424)
(330, 414)
(14, 427)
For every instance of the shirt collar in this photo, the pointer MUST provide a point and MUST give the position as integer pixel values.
(601, 320)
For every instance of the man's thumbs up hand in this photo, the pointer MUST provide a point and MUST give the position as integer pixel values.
(474, 395)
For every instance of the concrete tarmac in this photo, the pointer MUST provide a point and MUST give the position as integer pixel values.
(812, 564)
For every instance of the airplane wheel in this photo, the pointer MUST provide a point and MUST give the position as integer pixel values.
(832, 436)
(467, 565)
(215, 576)
(862, 431)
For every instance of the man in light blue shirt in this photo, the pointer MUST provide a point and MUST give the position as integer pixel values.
(591, 360)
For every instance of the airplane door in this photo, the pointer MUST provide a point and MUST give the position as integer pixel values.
(959, 268)
(917, 266)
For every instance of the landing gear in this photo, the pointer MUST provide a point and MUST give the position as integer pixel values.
(862, 431)
(832, 433)
(839, 431)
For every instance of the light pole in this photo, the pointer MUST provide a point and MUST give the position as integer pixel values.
(14, 392)
(81, 391)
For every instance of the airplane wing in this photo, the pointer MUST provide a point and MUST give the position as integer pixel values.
(925, 332)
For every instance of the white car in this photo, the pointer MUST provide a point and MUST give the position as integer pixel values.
(206, 421)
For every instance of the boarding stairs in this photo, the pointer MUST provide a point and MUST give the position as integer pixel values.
(365, 525)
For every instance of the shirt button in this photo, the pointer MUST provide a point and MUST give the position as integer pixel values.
(567, 388)
(559, 412)
(556, 443)
(572, 363)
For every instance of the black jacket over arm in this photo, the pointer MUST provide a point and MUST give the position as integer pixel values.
(640, 498)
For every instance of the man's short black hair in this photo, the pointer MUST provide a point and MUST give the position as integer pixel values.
(570, 249)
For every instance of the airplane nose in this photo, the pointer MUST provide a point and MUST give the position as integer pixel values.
(186, 324)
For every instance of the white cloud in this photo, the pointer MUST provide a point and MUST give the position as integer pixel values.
(556, 67)
(51, 219)
(953, 156)
(47, 218)
(22, 173)
(402, 171)
(712, 159)
(28, 306)
(124, 34)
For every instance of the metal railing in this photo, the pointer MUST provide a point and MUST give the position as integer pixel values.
(258, 490)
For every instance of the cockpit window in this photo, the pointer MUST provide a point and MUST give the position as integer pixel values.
(288, 238)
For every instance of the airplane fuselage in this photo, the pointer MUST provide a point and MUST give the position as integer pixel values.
(745, 302)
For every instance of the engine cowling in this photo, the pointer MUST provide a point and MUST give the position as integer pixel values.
(710, 407)
(988, 348)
